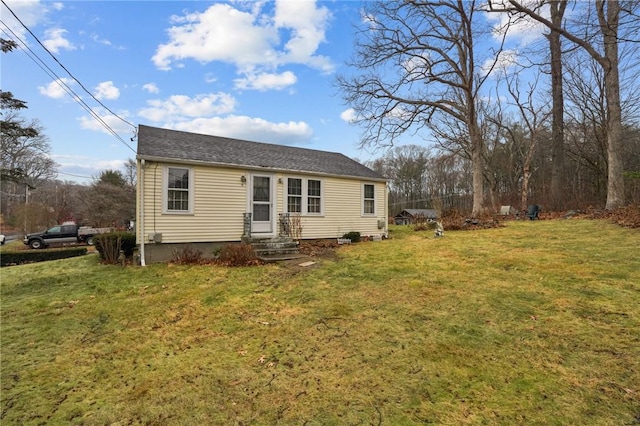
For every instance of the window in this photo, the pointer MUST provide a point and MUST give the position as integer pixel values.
(179, 190)
(294, 195)
(304, 196)
(369, 199)
(313, 196)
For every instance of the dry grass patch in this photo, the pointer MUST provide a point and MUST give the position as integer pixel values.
(533, 323)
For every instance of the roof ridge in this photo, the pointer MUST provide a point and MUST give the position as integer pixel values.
(156, 142)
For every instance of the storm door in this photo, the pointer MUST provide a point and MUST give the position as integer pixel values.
(262, 204)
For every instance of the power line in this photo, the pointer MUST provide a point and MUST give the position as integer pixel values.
(52, 74)
(64, 68)
(62, 84)
(78, 176)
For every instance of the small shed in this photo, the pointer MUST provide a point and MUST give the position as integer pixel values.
(411, 216)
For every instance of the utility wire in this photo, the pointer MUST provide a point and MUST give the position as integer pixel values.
(64, 68)
(62, 84)
(52, 74)
(78, 176)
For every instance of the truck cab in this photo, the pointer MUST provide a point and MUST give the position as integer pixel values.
(59, 234)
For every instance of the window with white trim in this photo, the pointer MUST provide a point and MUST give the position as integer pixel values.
(178, 190)
(313, 196)
(368, 199)
(294, 195)
(304, 196)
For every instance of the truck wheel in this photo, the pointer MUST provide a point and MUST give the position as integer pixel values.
(90, 241)
(36, 244)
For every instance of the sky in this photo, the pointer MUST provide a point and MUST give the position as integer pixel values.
(255, 70)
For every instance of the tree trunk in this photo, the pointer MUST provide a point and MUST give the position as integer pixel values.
(609, 28)
(524, 196)
(478, 170)
(557, 8)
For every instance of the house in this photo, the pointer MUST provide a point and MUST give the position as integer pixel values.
(410, 216)
(204, 191)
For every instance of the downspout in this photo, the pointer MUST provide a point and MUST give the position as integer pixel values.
(386, 209)
(141, 218)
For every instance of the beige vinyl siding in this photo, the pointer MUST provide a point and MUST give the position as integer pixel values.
(342, 207)
(219, 203)
(220, 200)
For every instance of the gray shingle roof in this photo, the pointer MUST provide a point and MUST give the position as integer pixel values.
(156, 143)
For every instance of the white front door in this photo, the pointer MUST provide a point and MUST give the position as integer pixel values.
(262, 195)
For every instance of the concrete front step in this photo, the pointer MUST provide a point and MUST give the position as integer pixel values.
(274, 249)
(277, 258)
(269, 246)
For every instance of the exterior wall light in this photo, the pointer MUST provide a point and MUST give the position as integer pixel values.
(243, 179)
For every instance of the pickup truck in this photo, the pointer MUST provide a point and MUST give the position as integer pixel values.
(63, 234)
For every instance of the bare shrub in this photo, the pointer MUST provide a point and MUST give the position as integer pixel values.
(238, 255)
(452, 220)
(420, 223)
(290, 224)
(187, 256)
(108, 245)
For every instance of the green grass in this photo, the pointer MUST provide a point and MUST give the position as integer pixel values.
(537, 323)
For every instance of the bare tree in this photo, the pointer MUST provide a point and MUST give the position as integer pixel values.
(525, 135)
(130, 172)
(24, 160)
(417, 64)
(405, 166)
(603, 48)
(109, 201)
(62, 200)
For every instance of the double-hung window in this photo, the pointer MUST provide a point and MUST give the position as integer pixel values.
(368, 199)
(179, 190)
(304, 196)
(294, 195)
(313, 196)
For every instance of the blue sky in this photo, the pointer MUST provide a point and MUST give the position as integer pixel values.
(260, 71)
(254, 70)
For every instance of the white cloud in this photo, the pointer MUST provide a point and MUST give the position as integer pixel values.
(522, 30)
(91, 123)
(31, 13)
(266, 81)
(349, 115)
(104, 41)
(249, 39)
(55, 40)
(308, 24)
(506, 60)
(208, 114)
(221, 33)
(84, 169)
(106, 90)
(55, 89)
(67, 160)
(57, 6)
(151, 88)
(249, 128)
(182, 107)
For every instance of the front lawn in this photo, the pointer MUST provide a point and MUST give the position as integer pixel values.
(533, 323)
